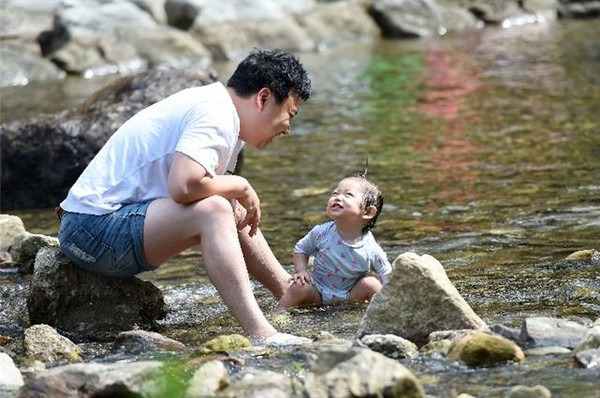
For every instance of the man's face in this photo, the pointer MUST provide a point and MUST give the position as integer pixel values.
(270, 119)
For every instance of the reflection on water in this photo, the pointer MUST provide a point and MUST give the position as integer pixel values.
(487, 148)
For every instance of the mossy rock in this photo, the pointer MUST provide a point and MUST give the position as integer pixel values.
(230, 342)
(482, 349)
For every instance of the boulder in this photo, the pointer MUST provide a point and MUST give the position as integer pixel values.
(88, 306)
(359, 372)
(41, 158)
(545, 331)
(87, 380)
(11, 227)
(418, 299)
(421, 18)
(95, 37)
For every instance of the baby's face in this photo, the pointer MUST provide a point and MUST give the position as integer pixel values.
(345, 202)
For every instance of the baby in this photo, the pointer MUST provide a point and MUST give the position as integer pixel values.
(344, 249)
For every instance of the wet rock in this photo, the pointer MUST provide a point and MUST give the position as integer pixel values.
(10, 228)
(482, 349)
(493, 11)
(257, 383)
(26, 246)
(579, 9)
(230, 29)
(140, 341)
(437, 347)
(543, 332)
(45, 344)
(417, 300)
(42, 157)
(92, 37)
(420, 18)
(504, 331)
(543, 351)
(207, 380)
(589, 256)
(591, 340)
(357, 372)
(87, 380)
(538, 391)
(330, 24)
(391, 346)
(85, 305)
(231, 342)
(20, 23)
(589, 358)
(6, 260)
(9, 373)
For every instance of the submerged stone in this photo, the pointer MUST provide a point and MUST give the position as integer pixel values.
(482, 349)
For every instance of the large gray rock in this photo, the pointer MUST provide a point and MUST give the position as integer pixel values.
(417, 300)
(9, 373)
(421, 18)
(88, 306)
(96, 37)
(546, 332)
(11, 227)
(230, 28)
(343, 373)
(87, 380)
(42, 158)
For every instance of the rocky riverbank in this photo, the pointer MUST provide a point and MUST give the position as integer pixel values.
(417, 316)
(48, 40)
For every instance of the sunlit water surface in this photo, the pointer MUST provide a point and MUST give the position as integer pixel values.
(487, 149)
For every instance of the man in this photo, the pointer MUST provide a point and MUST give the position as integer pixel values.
(161, 184)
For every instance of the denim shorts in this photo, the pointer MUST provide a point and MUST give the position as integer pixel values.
(110, 244)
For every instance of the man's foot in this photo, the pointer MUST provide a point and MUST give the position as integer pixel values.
(280, 339)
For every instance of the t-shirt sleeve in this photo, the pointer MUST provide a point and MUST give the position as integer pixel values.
(380, 262)
(203, 139)
(308, 244)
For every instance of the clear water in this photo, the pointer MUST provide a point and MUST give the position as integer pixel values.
(487, 149)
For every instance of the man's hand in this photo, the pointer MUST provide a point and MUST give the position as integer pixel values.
(251, 204)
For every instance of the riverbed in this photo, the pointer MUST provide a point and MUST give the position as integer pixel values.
(487, 148)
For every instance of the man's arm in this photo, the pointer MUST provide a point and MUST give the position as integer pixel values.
(189, 182)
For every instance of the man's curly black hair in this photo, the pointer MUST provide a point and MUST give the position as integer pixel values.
(279, 71)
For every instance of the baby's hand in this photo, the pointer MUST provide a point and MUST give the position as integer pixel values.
(302, 278)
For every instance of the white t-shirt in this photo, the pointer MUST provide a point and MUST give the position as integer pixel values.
(133, 166)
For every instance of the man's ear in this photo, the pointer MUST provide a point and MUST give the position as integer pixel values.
(262, 96)
(370, 212)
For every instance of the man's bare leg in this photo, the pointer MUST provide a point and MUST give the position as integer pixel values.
(170, 228)
(262, 263)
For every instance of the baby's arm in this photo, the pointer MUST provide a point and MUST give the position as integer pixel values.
(381, 265)
(302, 275)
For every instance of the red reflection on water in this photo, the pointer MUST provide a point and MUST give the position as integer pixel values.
(450, 152)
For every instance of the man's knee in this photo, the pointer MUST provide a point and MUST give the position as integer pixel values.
(214, 207)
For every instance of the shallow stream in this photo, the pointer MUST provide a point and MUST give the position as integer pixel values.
(487, 149)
